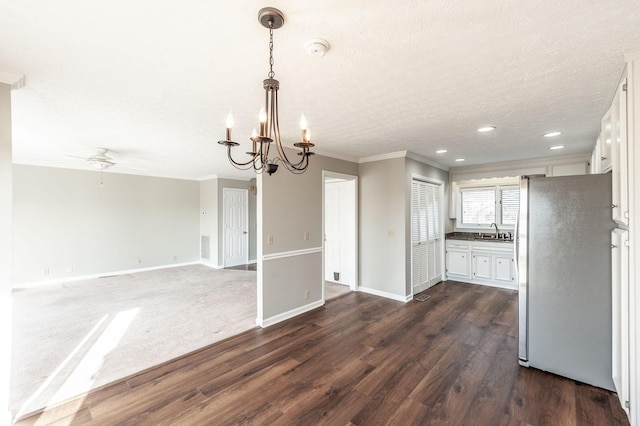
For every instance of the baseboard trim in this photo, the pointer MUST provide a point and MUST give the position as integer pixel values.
(285, 254)
(210, 264)
(488, 284)
(267, 322)
(100, 275)
(385, 294)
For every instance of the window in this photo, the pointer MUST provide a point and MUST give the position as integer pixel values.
(509, 203)
(482, 206)
(478, 206)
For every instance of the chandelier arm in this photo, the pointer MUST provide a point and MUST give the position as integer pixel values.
(237, 164)
(289, 165)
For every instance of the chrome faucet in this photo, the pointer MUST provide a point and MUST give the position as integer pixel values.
(497, 232)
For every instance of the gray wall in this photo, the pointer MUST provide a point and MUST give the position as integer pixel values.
(291, 205)
(382, 226)
(5, 190)
(63, 218)
(385, 223)
(209, 218)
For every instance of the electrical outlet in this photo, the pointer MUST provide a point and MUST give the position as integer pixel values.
(175, 258)
(139, 261)
(46, 271)
(306, 236)
(306, 294)
(270, 239)
(70, 268)
(391, 233)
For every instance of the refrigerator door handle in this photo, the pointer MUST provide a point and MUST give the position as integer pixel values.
(520, 248)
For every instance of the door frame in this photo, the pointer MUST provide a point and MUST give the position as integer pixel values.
(440, 184)
(224, 224)
(327, 175)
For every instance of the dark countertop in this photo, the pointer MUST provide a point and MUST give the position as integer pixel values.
(477, 236)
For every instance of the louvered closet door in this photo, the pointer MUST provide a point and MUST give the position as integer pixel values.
(419, 261)
(426, 239)
(434, 239)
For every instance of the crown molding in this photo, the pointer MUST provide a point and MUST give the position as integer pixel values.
(388, 156)
(16, 81)
(632, 56)
(403, 154)
(425, 160)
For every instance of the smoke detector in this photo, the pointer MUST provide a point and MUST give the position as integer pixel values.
(317, 47)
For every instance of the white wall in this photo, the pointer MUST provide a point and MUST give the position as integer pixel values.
(67, 225)
(288, 206)
(5, 190)
(550, 166)
(5, 249)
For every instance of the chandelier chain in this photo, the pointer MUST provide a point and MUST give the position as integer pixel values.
(271, 73)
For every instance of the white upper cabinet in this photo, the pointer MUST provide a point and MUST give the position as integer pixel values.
(619, 166)
(610, 154)
(606, 141)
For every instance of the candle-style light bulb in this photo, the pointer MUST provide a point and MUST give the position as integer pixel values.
(307, 136)
(262, 116)
(229, 125)
(254, 137)
(303, 126)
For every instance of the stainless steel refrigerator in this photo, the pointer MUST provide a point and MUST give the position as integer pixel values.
(563, 248)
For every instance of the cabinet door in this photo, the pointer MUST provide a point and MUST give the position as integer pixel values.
(503, 268)
(458, 263)
(605, 142)
(482, 266)
(619, 197)
(620, 313)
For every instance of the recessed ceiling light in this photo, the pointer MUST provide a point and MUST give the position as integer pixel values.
(441, 151)
(557, 147)
(459, 159)
(486, 129)
(552, 134)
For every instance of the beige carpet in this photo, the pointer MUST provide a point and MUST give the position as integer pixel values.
(69, 338)
(333, 290)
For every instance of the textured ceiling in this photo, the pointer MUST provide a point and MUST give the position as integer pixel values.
(154, 80)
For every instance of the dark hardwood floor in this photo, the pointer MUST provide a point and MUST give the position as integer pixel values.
(360, 360)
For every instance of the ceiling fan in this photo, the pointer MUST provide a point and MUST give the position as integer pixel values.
(100, 160)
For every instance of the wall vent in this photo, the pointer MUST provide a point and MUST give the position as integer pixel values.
(205, 247)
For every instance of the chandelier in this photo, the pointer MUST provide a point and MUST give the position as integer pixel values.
(259, 159)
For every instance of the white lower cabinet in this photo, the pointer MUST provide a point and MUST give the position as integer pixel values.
(482, 266)
(503, 269)
(489, 263)
(458, 260)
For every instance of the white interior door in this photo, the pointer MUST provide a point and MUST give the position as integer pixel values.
(340, 211)
(236, 226)
(426, 235)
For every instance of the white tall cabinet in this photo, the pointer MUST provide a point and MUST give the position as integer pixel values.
(617, 152)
